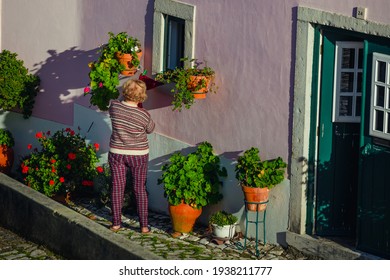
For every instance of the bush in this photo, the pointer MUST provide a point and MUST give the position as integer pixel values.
(65, 163)
(18, 88)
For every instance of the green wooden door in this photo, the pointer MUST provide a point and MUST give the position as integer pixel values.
(374, 186)
(338, 135)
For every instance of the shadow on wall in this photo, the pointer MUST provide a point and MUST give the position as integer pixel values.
(60, 74)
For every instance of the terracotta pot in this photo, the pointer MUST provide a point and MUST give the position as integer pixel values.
(196, 80)
(6, 159)
(126, 59)
(183, 217)
(255, 195)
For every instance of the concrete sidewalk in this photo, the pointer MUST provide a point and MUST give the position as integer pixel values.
(80, 231)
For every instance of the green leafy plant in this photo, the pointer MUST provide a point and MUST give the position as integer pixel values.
(194, 178)
(104, 73)
(184, 85)
(18, 88)
(64, 163)
(6, 138)
(252, 172)
(222, 218)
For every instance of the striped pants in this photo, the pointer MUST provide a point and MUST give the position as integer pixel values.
(138, 165)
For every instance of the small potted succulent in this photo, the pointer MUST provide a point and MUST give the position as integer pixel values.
(223, 224)
(191, 82)
(6, 150)
(18, 88)
(256, 177)
(104, 73)
(191, 182)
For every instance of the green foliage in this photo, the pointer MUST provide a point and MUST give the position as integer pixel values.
(222, 218)
(104, 73)
(181, 76)
(194, 178)
(18, 88)
(252, 172)
(6, 138)
(64, 163)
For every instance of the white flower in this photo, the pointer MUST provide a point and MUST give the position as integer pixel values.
(136, 48)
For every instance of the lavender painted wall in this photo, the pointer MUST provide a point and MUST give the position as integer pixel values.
(250, 44)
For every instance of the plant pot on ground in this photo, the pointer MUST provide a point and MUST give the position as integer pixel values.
(191, 82)
(223, 224)
(257, 177)
(7, 143)
(193, 180)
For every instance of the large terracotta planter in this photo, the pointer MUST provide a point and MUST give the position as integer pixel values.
(6, 159)
(183, 217)
(126, 59)
(196, 80)
(255, 195)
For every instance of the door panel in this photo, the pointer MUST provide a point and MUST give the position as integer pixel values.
(374, 169)
(338, 149)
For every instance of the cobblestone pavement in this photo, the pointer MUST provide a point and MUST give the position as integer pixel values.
(198, 245)
(14, 247)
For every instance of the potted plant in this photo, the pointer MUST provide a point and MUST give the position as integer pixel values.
(64, 164)
(104, 73)
(223, 224)
(18, 88)
(256, 177)
(6, 150)
(191, 82)
(191, 182)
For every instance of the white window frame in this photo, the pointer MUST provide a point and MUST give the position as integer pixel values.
(177, 9)
(340, 45)
(385, 134)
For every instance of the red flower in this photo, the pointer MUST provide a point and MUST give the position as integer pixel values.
(97, 146)
(87, 183)
(72, 156)
(39, 135)
(62, 179)
(51, 182)
(52, 160)
(24, 169)
(53, 170)
(29, 146)
(68, 166)
(67, 129)
(100, 84)
(99, 169)
(86, 90)
(72, 132)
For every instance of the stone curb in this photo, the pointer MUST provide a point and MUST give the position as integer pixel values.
(64, 231)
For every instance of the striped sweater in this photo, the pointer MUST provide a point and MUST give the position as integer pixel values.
(130, 126)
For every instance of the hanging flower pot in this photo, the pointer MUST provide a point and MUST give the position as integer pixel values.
(199, 85)
(127, 61)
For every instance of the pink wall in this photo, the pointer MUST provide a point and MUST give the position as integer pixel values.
(249, 43)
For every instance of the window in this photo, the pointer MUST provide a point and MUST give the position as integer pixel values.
(380, 97)
(173, 33)
(347, 94)
(174, 42)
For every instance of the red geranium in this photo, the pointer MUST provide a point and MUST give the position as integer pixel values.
(39, 135)
(51, 182)
(72, 156)
(99, 169)
(29, 146)
(97, 146)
